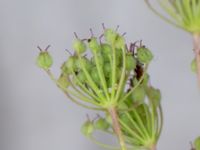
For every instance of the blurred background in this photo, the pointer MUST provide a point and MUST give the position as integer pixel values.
(36, 115)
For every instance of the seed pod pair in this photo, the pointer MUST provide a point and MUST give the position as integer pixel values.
(113, 38)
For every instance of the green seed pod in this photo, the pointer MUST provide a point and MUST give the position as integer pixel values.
(101, 124)
(144, 55)
(100, 58)
(118, 73)
(138, 95)
(106, 49)
(130, 62)
(154, 95)
(119, 58)
(197, 143)
(95, 75)
(105, 57)
(120, 41)
(85, 63)
(87, 128)
(62, 81)
(44, 60)
(107, 69)
(94, 45)
(70, 64)
(110, 36)
(81, 77)
(79, 46)
(194, 66)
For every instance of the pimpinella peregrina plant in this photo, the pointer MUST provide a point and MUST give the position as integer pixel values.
(184, 14)
(104, 74)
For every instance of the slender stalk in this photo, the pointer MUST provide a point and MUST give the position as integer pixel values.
(117, 128)
(153, 147)
(196, 42)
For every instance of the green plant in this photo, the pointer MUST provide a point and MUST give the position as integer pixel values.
(112, 78)
(184, 14)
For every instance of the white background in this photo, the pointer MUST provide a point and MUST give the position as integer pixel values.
(35, 115)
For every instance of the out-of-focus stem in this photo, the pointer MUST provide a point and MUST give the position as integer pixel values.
(117, 128)
(196, 42)
(153, 147)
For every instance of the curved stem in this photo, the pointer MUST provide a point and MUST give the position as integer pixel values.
(120, 86)
(85, 89)
(102, 144)
(117, 128)
(196, 42)
(141, 123)
(90, 81)
(137, 127)
(101, 76)
(69, 96)
(113, 72)
(161, 122)
(160, 15)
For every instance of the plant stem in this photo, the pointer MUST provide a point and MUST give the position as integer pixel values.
(153, 147)
(117, 128)
(196, 42)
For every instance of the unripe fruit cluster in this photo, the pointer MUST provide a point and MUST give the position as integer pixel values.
(103, 54)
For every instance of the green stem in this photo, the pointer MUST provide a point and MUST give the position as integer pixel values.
(102, 77)
(113, 72)
(140, 122)
(90, 81)
(160, 15)
(121, 85)
(152, 122)
(137, 127)
(148, 116)
(131, 132)
(68, 95)
(85, 89)
(161, 122)
(116, 127)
